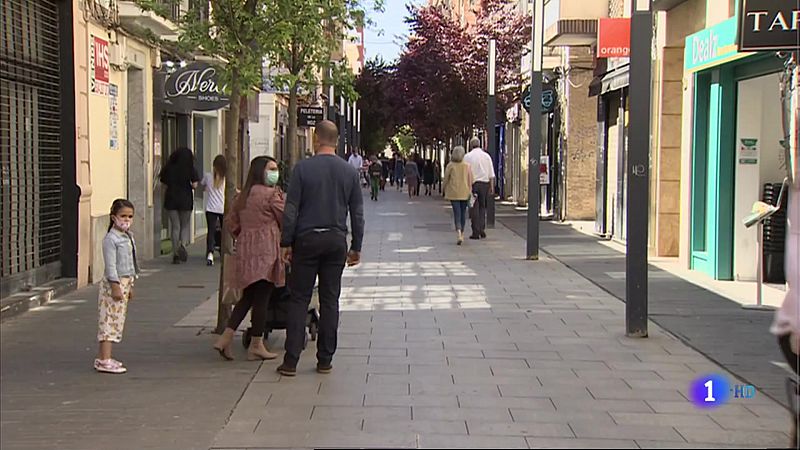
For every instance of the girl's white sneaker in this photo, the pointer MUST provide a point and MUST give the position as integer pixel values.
(109, 366)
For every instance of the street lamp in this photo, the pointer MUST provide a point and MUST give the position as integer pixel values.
(638, 171)
(491, 106)
(535, 130)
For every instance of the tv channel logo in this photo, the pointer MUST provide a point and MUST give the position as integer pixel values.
(714, 390)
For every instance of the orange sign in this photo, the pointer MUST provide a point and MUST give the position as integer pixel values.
(614, 38)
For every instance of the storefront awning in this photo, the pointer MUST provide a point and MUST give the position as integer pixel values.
(613, 80)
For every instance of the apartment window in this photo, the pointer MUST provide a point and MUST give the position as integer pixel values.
(552, 11)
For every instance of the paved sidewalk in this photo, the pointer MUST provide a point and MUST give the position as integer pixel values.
(716, 326)
(176, 394)
(472, 346)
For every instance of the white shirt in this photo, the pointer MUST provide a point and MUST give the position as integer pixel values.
(481, 164)
(356, 161)
(215, 200)
(787, 319)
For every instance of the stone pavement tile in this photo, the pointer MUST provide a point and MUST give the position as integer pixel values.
(773, 410)
(421, 369)
(635, 394)
(289, 426)
(527, 355)
(443, 401)
(280, 399)
(375, 412)
(577, 405)
(456, 427)
(452, 389)
(437, 378)
(594, 355)
(685, 407)
(532, 429)
(377, 366)
(299, 413)
(589, 430)
(493, 363)
(731, 437)
(571, 392)
(740, 423)
(494, 414)
(693, 445)
(233, 439)
(322, 439)
(544, 415)
(677, 384)
(651, 366)
(495, 380)
(580, 443)
(360, 387)
(620, 374)
(429, 357)
(671, 420)
(451, 441)
(473, 401)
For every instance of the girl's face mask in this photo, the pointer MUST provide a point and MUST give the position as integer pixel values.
(272, 177)
(123, 223)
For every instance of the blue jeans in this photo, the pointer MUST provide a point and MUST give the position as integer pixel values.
(460, 213)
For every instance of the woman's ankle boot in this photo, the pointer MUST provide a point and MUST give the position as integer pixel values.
(223, 344)
(258, 351)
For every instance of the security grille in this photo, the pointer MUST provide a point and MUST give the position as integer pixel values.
(30, 154)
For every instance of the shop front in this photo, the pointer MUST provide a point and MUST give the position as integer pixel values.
(736, 148)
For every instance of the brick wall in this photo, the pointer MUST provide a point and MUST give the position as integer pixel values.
(580, 130)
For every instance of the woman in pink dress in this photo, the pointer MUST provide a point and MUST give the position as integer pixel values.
(255, 222)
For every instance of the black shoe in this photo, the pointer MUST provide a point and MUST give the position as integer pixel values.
(483, 235)
(183, 254)
(324, 368)
(473, 237)
(286, 371)
(176, 260)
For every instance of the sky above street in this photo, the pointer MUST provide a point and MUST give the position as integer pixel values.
(390, 22)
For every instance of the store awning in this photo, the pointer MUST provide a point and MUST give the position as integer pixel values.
(612, 80)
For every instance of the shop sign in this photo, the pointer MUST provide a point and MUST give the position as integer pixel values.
(99, 66)
(712, 46)
(549, 97)
(309, 116)
(769, 25)
(614, 38)
(113, 117)
(195, 88)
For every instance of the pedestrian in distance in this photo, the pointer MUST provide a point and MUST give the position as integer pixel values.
(399, 171)
(255, 222)
(458, 189)
(428, 176)
(392, 168)
(322, 191)
(116, 289)
(181, 178)
(386, 170)
(214, 185)
(375, 174)
(412, 177)
(482, 186)
(437, 175)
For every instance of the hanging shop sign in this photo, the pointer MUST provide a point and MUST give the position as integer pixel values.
(614, 38)
(712, 47)
(544, 169)
(195, 88)
(549, 98)
(309, 116)
(99, 66)
(113, 116)
(769, 25)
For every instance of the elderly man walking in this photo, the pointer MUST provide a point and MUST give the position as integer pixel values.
(322, 191)
(483, 185)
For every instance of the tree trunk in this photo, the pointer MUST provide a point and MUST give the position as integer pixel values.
(294, 153)
(232, 155)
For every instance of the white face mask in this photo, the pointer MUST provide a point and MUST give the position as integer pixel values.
(122, 224)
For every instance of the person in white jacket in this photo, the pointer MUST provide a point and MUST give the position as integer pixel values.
(787, 319)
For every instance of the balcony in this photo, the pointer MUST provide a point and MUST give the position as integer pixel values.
(572, 22)
(130, 14)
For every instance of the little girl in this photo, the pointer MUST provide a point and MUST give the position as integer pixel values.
(116, 289)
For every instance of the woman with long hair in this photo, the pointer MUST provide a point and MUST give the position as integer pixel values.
(412, 176)
(181, 178)
(255, 222)
(214, 185)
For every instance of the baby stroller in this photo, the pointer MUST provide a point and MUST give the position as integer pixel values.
(277, 313)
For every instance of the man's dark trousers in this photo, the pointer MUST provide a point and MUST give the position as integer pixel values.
(323, 254)
(478, 211)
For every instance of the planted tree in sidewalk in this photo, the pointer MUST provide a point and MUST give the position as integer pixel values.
(378, 119)
(235, 34)
(314, 29)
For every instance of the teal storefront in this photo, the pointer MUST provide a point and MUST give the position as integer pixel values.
(735, 140)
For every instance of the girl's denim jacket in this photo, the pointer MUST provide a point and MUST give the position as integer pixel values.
(119, 254)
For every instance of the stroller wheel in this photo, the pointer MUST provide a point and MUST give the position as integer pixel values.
(313, 330)
(246, 339)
